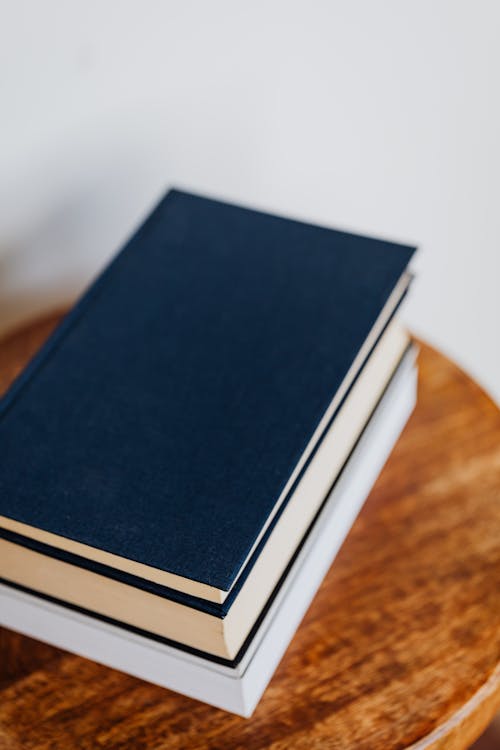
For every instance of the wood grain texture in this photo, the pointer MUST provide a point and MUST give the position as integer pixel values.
(400, 648)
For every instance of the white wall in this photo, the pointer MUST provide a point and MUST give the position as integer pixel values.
(378, 116)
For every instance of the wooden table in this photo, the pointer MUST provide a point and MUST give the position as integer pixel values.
(400, 648)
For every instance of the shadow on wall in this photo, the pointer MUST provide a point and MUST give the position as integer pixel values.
(55, 247)
(40, 271)
(16, 309)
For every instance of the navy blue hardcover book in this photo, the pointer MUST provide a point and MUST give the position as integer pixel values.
(164, 425)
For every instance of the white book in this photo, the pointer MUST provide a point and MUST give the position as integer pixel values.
(235, 688)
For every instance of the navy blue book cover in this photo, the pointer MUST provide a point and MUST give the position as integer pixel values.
(164, 417)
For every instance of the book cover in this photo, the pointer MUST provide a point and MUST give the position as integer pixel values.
(165, 417)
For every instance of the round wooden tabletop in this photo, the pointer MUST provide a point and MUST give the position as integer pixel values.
(400, 648)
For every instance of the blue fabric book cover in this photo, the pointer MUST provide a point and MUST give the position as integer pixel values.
(162, 420)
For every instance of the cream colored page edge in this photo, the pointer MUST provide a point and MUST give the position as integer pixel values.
(314, 485)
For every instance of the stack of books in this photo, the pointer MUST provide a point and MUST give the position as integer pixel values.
(185, 455)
